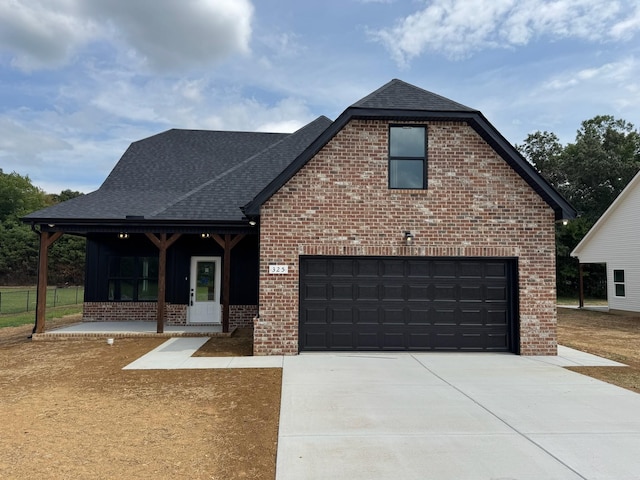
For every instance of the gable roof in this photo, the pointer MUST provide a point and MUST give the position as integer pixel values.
(197, 177)
(607, 215)
(186, 176)
(399, 101)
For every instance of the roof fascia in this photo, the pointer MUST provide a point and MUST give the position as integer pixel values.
(561, 207)
(138, 225)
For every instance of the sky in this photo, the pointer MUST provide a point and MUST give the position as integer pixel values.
(80, 80)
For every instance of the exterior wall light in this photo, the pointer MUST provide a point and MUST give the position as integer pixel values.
(205, 235)
(252, 222)
(408, 238)
(123, 235)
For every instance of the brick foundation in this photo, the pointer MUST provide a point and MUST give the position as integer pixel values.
(239, 315)
(340, 204)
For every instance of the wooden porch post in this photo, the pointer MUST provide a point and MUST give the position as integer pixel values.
(46, 240)
(227, 244)
(163, 243)
(581, 285)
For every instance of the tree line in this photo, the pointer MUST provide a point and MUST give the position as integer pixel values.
(590, 173)
(19, 245)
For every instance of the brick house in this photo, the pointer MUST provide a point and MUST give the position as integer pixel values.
(408, 223)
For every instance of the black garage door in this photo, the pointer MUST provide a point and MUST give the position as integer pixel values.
(407, 303)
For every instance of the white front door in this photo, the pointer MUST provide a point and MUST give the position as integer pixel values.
(204, 291)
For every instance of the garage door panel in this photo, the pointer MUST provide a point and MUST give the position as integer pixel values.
(444, 269)
(406, 303)
(419, 292)
(314, 291)
(367, 341)
(341, 291)
(341, 268)
(495, 293)
(470, 317)
(442, 317)
(496, 270)
(391, 316)
(341, 316)
(472, 293)
(367, 292)
(366, 315)
(418, 269)
(367, 269)
(316, 268)
(393, 292)
(444, 292)
(471, 270)
(393, 269)
(315, 316)
(498, 317)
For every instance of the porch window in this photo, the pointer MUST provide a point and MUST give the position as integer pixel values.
(618, 282)
(133, 278)
(407, 157)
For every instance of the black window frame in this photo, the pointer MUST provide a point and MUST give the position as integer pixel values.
(134, 278)
(619, 283)
(396, 158)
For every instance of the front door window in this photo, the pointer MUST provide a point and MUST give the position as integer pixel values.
(204, 292)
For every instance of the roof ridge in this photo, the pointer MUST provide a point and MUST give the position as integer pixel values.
(380, 93)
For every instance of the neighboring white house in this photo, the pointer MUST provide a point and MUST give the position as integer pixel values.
(615, 240)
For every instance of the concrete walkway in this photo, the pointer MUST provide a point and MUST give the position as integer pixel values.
(453, 416)
(458, 416)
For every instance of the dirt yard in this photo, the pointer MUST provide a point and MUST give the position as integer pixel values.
(616, 337)
(68, 410)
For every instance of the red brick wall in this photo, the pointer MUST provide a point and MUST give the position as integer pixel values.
(239, 315)
(132, 311)
(339, 204)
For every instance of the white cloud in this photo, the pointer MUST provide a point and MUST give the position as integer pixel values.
(24, 144)
(457, 28)
(40, 34)
(165, 35)
(171, 34)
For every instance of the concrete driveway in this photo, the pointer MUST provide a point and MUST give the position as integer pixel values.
(453, 416)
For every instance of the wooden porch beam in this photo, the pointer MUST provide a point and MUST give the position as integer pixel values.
(581, 285)
(163, 243)
(227, 244)
(46, 240)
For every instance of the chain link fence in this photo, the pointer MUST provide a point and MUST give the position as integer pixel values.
(24, 300)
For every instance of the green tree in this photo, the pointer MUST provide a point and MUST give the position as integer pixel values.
(590, 172)
(18, 196)
(19, 245)
(599, 164)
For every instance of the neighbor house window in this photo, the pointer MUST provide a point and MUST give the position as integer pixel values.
(407, 157)
(133, 278)
(618, 282)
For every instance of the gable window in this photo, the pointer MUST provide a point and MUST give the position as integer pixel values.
(133, 278)
(407, 157)
(618, 282)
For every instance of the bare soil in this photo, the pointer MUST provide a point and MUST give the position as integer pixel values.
(68, 410)
(612, 336)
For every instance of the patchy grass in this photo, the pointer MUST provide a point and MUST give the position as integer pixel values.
(616, 337)
(18, 319)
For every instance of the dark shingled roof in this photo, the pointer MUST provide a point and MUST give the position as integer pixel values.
(205, 177)
(187, 175)
(399, 95)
